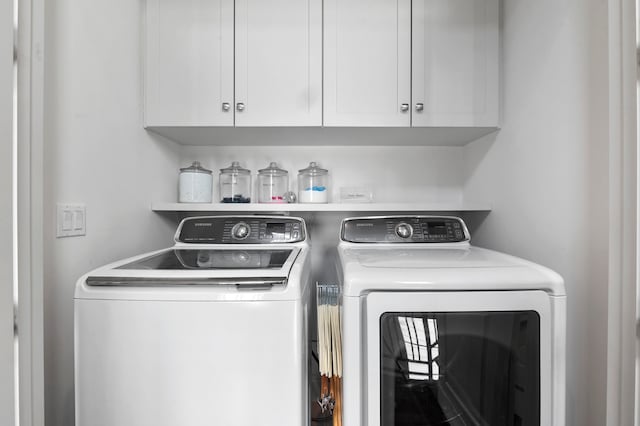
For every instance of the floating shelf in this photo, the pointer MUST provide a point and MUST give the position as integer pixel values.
(333, 136)
(331, 207)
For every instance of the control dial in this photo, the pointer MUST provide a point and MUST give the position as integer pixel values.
(240, 231)
(404, 230)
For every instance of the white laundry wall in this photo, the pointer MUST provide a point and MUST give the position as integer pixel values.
(546, 172)
(96, 152)
(406, 174)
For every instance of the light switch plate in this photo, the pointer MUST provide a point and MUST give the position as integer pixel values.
(71, 219)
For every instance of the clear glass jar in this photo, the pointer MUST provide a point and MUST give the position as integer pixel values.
(313, 184)
(273, 183)
(235, 184)
(195, 184)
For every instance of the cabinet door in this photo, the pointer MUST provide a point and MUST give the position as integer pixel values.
(367, 57)
(455, 63)
(189, 63)
(278, 62)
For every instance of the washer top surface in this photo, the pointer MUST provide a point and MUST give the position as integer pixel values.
(384, 262)
(432, 257)
(214, 258)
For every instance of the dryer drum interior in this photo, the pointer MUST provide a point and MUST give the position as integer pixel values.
(462, 368)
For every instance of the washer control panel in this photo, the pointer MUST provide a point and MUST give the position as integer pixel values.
(404, 229)
(241, 230)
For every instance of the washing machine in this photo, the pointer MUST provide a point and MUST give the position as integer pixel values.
(211, 331)
(439, 332)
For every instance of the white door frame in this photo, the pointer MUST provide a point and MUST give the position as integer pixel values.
(30, 48)
(622, 357)
(7, 361)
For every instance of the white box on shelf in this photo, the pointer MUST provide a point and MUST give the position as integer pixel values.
(356, 194)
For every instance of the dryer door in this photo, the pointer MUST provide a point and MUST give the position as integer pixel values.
(459, 358)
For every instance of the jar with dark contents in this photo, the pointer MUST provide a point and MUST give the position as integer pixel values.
(235, 184)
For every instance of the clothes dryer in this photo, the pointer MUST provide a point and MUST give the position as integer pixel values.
(439, 332)
(212, 331)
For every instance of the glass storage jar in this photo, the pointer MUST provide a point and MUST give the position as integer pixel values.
(273, 183)
(195, 184)
(313, 184)
(235, 184)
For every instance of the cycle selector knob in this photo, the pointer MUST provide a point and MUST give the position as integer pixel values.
(404, 230)
(240, 231)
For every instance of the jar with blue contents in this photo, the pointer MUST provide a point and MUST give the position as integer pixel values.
(235, 184)
(313, 183)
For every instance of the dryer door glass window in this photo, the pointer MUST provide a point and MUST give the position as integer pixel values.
(460, 368)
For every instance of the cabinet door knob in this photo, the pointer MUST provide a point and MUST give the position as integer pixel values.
(226, 106)
(419, 106)
(240, 106)
(404, 107)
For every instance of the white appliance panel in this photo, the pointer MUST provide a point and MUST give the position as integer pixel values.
(165, 363)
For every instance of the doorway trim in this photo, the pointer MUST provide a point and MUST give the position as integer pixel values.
(30, 183)
(622, 339)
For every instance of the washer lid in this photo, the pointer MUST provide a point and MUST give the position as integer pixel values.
(218, 277)
(210, 259)
(203, 265)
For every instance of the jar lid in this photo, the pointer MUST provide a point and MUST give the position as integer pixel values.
(235, 168)
(195, 168)
(273, 170)
(313, 170)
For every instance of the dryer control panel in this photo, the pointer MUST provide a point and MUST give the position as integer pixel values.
(404, 229)
(241, 230)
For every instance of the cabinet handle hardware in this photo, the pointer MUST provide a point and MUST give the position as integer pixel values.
(226, 106)
(404, 107)
(419, 106)
(240, 106)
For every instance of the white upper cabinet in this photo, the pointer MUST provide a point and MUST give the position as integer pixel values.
(192, 72)
(189, 63)
(332, 63)
(367, 63)
(421, 63)
(278, 56)
(455, 63)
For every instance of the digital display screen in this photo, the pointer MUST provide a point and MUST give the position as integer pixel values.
(275, 228)
(437, 228)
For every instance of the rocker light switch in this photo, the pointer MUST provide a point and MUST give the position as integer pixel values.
(67, 220)
(78, 220)
(71, 219)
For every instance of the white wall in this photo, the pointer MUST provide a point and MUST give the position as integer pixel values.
(402, 174)
(96, 152)
(545, 173)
